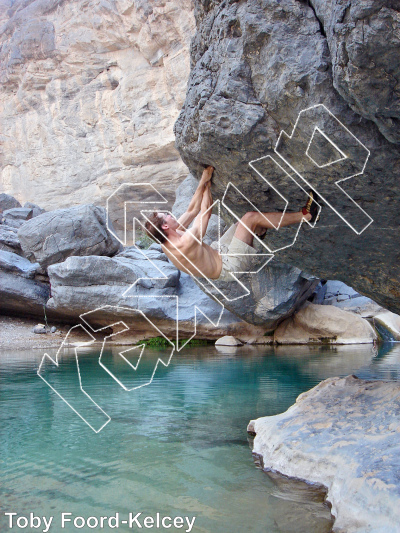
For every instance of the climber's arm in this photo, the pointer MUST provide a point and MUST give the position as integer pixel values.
(199, 228)
(195, 204)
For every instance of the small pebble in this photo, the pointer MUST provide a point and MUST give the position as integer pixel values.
(39, 328)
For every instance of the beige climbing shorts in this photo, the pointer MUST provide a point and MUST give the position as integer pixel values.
(237, 256)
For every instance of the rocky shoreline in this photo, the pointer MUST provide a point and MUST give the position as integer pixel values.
(66, 263)
(343, 434)
(16, 333)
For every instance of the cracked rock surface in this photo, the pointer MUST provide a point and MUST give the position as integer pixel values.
(343, 434)
(52, 237)
(255, 65)
(364, 43)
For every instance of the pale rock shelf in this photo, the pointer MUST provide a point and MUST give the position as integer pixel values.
(344, 434)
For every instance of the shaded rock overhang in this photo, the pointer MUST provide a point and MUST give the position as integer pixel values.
(255, 65)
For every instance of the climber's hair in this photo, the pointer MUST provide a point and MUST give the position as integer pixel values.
(153, 228)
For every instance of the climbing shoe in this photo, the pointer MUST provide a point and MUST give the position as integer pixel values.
(312, 206)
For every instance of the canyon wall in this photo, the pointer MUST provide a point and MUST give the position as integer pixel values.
(89, 92)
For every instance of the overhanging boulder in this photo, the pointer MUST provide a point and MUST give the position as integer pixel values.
(256, 65)
(264, 298)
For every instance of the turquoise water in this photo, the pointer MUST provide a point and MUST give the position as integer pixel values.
(178, 446)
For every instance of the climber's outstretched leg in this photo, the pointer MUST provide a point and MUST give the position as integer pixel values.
(258, 223)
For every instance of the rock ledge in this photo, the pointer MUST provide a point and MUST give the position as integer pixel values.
(344, 434)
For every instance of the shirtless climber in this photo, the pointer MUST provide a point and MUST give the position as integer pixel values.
(188, 253)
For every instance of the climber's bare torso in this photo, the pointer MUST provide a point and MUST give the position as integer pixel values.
(192, 257)
(184, 247)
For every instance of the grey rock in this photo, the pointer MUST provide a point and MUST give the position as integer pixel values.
(17, 216)
(364, 44)
(53, 329)
(20, 293)
(183, 195)
(40, 329)
(10, 262)
(52, 237)
(9, 241)
(344, 297)
(318, 295)
(341, 295)
(338, 294)
(155, 246)
(343, 434)
(36, 210)
(270, 296)
(228, 340)
(152, 253)
(83, 284)
(275, 292)
(255, 66)
(8, 202)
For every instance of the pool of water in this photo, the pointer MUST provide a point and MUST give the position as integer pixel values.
(177, 447)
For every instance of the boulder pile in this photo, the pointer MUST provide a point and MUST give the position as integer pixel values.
(66, 263)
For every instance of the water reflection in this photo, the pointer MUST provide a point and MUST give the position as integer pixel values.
(177, 446)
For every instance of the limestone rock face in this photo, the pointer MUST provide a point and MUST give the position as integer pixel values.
(83, 284)
(344, 433)
(364, 43)
(256, 65)
(89, 94)
(52, 237)
(324, 324)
